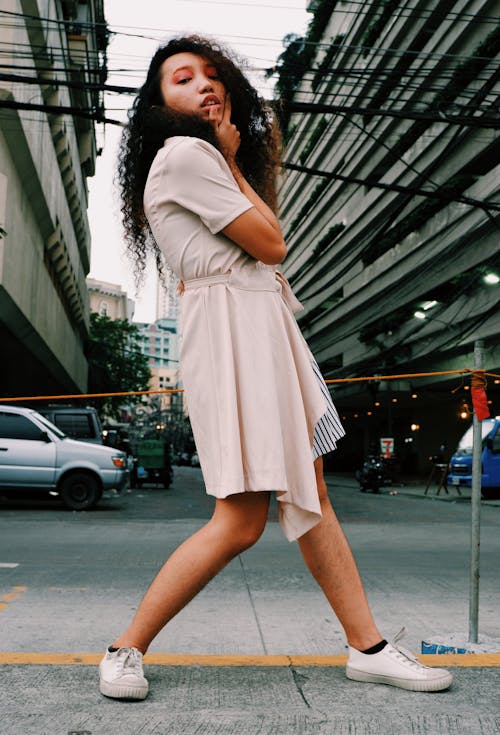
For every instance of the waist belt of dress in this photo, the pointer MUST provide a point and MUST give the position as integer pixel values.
(250, 279)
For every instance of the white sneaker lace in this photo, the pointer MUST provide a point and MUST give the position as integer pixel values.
(129, 661)
(403, 653)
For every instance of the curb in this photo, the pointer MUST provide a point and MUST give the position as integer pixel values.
(478, 660)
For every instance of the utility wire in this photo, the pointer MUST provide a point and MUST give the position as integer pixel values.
(318, 107)
(422, 14)
(52, 82)
(132, 90)
(103, 25)
(474, 122)
(495, 206)
(95, 115)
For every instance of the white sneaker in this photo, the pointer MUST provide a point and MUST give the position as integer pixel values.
(396, 666)
(121, 675)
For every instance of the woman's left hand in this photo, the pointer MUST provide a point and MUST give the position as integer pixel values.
(227, 133)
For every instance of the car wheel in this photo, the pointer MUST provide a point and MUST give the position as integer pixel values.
(80, 491)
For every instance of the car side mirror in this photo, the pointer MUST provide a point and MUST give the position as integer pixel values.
(44, 437)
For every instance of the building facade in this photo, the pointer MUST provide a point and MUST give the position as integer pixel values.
(160, 343)
(390, 212)
(167, 302)
(55, 53)
(109, 299)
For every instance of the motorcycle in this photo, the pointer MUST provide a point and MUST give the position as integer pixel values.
(372, 476)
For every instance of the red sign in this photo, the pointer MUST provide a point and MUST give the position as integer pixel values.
(387, 447)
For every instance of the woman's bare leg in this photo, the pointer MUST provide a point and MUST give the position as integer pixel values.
(236, 524)
(329, 558)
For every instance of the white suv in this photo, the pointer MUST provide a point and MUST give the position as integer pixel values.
(36, 455)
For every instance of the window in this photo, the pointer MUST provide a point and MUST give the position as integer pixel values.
(75, 425)
(13, 426)
(496, 443)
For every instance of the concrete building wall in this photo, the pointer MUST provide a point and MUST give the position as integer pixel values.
(44, 159)
(108, 299)
(363, 259)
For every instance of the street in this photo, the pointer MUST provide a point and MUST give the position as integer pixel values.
(71, 581)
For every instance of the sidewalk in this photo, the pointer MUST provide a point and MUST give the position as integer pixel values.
(411, 487)
(245, 700)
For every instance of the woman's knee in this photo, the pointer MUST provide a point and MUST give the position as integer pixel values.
(242, 518)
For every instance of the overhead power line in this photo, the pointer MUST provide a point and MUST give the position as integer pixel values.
(104, 26)
(95, 115)
(485, 121)
(123, 89)
(447, 198)
(52, 82)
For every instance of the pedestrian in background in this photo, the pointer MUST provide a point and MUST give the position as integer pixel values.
(197, 169)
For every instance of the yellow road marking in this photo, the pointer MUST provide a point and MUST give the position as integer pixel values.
(180, 659)
(10, 597)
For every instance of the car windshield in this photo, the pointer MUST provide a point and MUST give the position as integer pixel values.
(60, 434)
(465, 444)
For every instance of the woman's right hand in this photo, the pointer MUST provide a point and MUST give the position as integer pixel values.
(227, 133)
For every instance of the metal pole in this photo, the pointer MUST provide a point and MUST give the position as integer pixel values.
(475, 510)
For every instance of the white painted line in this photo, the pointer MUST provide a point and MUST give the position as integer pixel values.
(7, 565)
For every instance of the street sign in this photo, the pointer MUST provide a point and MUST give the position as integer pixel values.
(387, 447)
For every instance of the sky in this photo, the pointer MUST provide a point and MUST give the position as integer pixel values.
(254, 29)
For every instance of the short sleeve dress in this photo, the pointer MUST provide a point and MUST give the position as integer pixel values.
(259, 408)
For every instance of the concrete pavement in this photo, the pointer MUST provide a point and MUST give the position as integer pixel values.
(255, 638)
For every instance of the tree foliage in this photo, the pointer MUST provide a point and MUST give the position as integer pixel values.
(297, 59)
(116, 362)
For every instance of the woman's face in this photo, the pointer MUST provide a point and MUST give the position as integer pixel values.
(190, 85)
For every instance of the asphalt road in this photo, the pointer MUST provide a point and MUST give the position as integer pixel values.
(69, 582)
(413, 554)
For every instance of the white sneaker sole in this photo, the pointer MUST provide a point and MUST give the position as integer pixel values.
(121, 691)
(414, 685)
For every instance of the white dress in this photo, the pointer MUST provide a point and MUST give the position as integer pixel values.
(254, 399)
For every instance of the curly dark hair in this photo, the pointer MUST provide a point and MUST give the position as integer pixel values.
(151, 123)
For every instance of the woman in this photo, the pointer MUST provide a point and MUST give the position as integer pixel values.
(197, 169)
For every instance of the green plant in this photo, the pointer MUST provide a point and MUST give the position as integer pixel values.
(297, 58)
(116, 362)
(328, 239)
(316, 135)
(323, 68)
(315, 195)
(387, 7)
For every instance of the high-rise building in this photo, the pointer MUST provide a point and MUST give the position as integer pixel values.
(391, 210)
(166, 296)
(55, 55)
(160, 343)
